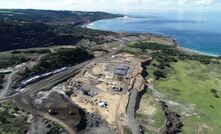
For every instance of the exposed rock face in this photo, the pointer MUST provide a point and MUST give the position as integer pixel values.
(173, 122)
(94, 120)
(53, 98)
(92, 123)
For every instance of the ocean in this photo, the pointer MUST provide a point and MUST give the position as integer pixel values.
(195, 30)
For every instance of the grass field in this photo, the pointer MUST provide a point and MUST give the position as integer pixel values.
(150, 115)
(161, 40)
(199, 86)
(190, 84)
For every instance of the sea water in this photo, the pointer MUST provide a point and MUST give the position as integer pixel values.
(196, 30)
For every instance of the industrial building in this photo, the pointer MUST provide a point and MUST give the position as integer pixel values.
(121, 70)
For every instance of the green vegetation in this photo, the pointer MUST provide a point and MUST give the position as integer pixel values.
(12, 121)
(31, 51)
(62, 57)
(15, 57)
(1, 80)
(52, 17)
(8, 59)
(165, 55)
(85, 33)
(48, 60)
(70, 29)
(150, 116)
(127, 131)
(199, 85)
(29, 35)
(161, 40)
(191, 81)
(215, 93)
(56, 129)
(21, 29)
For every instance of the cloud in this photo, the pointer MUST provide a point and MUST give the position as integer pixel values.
(196, 2)
(205, 2)
(110, 5)
(128, 2)
(165, 3)
(183, 2)
(145, 3)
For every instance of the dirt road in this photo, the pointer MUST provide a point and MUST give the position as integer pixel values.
(8, 84)
(24, 103)
(133, 124)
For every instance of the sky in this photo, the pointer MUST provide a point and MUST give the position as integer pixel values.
(113, 5)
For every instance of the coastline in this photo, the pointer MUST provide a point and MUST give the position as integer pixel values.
(190, 51)
(178, 46)
(87, 25)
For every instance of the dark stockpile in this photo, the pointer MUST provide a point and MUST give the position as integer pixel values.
(173, 122)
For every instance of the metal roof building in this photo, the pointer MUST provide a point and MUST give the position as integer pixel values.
(120, 72)
(122, 67)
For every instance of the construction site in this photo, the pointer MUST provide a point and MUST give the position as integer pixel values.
(105, 87)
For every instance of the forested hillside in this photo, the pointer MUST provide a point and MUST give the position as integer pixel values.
(39, 28)
(53, 17)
